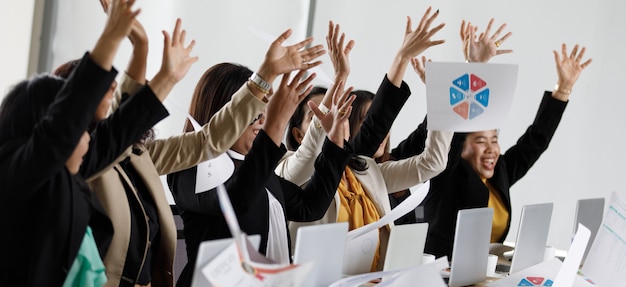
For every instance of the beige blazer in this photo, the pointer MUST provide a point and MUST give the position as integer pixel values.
(160, 157)
(378, 180)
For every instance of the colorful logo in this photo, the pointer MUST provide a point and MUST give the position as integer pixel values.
(469, 96)
(535, 281)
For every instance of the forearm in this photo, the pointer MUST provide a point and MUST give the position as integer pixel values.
(409, 172)
(216, 137)
(299, 167)
(312, 202)
(383, 111)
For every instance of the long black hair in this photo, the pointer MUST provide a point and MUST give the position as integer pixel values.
(26, 104)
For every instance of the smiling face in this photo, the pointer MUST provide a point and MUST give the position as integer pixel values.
(482, 150)
(244, 143)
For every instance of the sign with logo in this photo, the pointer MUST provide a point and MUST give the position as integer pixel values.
(466, 97)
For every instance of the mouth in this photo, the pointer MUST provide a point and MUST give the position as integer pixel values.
(488, 163)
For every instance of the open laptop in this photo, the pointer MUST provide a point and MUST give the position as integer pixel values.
(323, 244)
(406, 246)
(471, 246)
(532, 235)
(589, 212)
(208, 250)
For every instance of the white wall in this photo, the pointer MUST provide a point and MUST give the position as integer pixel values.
(583, 160)
(16, 22)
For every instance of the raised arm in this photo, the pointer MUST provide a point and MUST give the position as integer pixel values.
(393, 91)
(520, 157)
(175, 64)
(56, 134)
(114, 134)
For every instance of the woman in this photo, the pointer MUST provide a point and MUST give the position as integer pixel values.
(44, 139)
(142, 251)
(262, 201)
(477, 175)
(362, 196)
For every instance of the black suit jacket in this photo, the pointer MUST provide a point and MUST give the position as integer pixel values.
(46, 209)
(459, 187)
(202, 215)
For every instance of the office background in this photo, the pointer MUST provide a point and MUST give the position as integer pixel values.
(584, 160)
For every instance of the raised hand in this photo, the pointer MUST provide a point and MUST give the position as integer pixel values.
(568, 68)
(419, 66)
(281, 59)
(118, 26)
(339, 54)
(484, 47)
(176, 61)
(284, 102)
(335, 121)
(415, 42)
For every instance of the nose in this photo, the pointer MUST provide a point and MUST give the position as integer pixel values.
(262, 118)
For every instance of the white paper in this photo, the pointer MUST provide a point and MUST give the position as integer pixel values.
(466, 97)
(606, 261)
(213, 172)
(567, 273)
(241, 265)
(403, 208)
(226, 269)
(425, 275)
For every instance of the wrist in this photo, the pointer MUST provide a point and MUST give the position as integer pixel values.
(259, 83)
(266, 74)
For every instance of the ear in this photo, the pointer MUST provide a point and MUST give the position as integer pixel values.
(297, 134)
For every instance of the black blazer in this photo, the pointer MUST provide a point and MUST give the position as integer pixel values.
(46, 209)
(203, 217)
(459, 187)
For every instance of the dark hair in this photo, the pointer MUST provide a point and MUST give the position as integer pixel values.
(358, 114)
(65, 71)
(298, 116)
(26, 104)
(214, 89)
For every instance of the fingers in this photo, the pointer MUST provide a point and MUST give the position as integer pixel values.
(349, 47)
(282, 38)
(304, 42)
(176, 31)
(407, 29)
(315, 109)
(285, 79)
(309, 66)
(423, 20)
(304, 85)
(167, 42)
(574, 51)
(489, 29)
(312, 53)
(563, 51)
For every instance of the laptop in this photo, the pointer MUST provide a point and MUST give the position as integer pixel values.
(589, 212)
(323, 244)
(532, 235)
(208, 250)
(405, 246)
(471, 246)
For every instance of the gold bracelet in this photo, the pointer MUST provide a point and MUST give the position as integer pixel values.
(264, 91)
(562, 91)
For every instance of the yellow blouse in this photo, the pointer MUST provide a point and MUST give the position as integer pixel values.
(500, 213)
